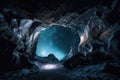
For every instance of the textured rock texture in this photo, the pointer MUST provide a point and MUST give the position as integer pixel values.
(97, 22)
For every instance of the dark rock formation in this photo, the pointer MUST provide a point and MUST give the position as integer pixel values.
(111, 68)
(97, 22)
(52, 57)
(75, 61)
(7, 58)
(93, 58)
(16, 50)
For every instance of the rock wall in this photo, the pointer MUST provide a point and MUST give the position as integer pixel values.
(97, 24)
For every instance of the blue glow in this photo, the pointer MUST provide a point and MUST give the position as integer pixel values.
(45, 51)
(56, 40)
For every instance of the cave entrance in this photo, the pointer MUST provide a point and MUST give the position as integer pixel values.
(56, 40)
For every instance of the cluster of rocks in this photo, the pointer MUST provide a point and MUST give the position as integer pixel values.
(17, 47)
(94, 58)
(100, 25)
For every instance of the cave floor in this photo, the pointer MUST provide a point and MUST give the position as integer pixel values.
(94, 72)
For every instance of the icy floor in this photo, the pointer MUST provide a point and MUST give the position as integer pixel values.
(60, 73)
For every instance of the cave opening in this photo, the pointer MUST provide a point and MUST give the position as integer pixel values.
(56, 40)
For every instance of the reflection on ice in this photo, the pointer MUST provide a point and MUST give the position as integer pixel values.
(49, 66)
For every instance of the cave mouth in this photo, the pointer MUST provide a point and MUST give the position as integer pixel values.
(56, 40)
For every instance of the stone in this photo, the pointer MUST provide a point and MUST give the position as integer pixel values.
(98, 57)
(74, 61)
(52, 57)
(111, 68)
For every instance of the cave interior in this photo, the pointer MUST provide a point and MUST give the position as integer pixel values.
(60, 40)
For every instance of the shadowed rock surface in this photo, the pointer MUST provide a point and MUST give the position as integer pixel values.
(97, 22)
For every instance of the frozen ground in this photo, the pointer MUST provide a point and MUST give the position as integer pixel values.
(56, 71)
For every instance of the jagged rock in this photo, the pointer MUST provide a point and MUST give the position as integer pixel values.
(111, 68)
(15, 42)
(52, 57)
(74, 61)
(25, 61)
(7, 59)
(90, 59)
(17, 46)
(98, 57)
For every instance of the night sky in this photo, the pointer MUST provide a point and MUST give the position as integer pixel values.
(56, 40)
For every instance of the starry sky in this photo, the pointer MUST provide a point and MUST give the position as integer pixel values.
(56, 40)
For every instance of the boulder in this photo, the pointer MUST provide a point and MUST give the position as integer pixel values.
(74, 61)
(52, 57)
(111, 68)
(98, 57)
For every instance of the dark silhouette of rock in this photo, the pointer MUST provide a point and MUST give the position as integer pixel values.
(25, 62)
(98, 57)
(6, 54)
(17, 43)
(52, 57)
(112, 68)
(74, 61)
(90, 59)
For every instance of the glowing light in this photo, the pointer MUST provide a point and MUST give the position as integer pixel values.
(45, 51)
(56, 40)
(49, 66)
(84, 37)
